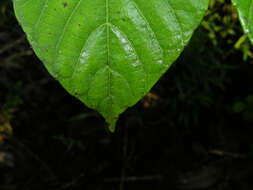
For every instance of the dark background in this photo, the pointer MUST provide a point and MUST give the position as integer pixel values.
(192, 131)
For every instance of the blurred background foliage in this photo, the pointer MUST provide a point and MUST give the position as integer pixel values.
(192, 131)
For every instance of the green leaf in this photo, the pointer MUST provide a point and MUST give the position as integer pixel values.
(245, 11)
(109, 53)
(239, 107)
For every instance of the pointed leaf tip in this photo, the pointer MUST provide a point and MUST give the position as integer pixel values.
(112, 125)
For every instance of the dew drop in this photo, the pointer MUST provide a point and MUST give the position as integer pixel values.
(82, 61)
(84, 54)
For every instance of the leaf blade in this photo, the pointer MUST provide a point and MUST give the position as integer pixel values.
(109, 53)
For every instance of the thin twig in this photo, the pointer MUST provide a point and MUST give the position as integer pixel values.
(124, 160)
(19, 54)
(7, 61)
(132, 179)
(11, 45)
(71, 183)
(228, 154)
(19, 145)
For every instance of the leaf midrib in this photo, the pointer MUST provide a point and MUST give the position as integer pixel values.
(108, 49)
(108, 24)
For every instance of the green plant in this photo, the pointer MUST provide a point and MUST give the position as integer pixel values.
(110, 53)
(244, 107)
(245, 10)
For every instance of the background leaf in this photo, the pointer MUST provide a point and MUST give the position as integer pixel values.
(109, 53)
(245, 11)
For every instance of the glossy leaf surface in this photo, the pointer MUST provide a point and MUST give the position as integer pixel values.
(245, 11)
(109, 53)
